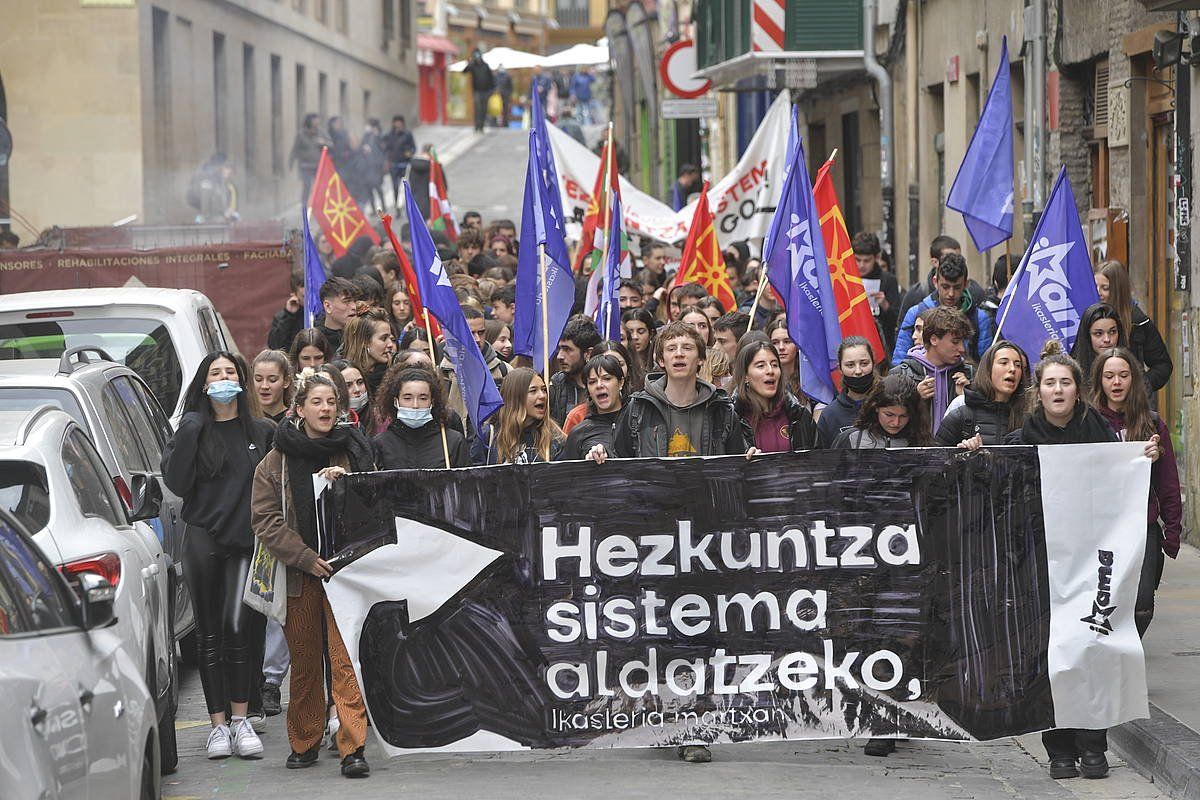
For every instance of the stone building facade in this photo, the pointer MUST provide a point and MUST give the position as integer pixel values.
(114, 105)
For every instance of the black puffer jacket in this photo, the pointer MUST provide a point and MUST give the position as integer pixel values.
(976, 414)
(837, 417)
(1147, 344)
(593, 430)
(402, 447)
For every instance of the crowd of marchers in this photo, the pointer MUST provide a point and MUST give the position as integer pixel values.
(367, 388)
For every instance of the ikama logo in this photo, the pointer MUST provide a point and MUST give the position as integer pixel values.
(1099, 620)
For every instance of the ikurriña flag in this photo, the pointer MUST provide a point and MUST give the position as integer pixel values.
(983, 188)
(410, 282)
(1053, 284)
(794, 254)
(340, 218)
(441, 213)
(702, 262)
(854, 311)
(479, 391)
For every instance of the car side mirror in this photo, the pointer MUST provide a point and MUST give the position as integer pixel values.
(96, 599)
(147, 497)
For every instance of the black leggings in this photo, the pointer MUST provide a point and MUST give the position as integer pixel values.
(229, 634)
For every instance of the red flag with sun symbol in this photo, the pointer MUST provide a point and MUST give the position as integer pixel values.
(333, 208)
(854, 312)
(702, 262)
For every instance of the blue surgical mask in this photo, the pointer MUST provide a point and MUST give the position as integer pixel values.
(414, 417)
(224, 391)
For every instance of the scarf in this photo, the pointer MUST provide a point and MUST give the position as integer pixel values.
(1084, 426)
(941, 386)
(305, 456)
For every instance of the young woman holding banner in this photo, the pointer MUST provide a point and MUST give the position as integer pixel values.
(993, 405)
(282, 515)
(604, 376)
(1060, 416)
(781, 423)
(1119, 394)
(523, 431)
(418, 436)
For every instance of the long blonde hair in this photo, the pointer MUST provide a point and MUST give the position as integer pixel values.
(511, 420)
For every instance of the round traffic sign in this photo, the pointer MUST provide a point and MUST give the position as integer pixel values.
(677, 69)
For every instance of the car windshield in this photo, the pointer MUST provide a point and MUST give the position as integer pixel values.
(27, 398)
(24, 493)
(143, 345)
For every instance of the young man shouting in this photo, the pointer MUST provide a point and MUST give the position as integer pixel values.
(941, 372)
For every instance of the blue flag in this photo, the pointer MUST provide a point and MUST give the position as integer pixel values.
(794, 252)
(479, 391)
(983, 188)
(541, 226)
(609, 316)
(314, 276)
(1053, 285)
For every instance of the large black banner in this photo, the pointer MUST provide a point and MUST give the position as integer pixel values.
(657, 602)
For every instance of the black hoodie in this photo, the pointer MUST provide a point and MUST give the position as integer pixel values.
(651, 427)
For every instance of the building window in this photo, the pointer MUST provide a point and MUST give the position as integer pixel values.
(387, 27)
(220, 95)
(572, 13)
(249, 110)
(323, 95)
(344, 100)
(342, 16)
(160, 24)
(852, 165)
(406, 34)
(366, 104)
(321, 11)
(276, 115)
(300, 5)
(301, 96)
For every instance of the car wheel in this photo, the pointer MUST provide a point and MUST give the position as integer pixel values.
(150, 783)
(167, 745)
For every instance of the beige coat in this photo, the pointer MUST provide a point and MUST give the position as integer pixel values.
(278, 532)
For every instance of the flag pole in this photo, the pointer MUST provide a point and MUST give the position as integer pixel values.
(445, 447)
(545, 317)
(429, 333)
(1007, 308)
(762, 285)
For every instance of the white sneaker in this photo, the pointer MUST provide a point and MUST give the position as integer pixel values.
(220, 744)
(257, 721)
(246, 743)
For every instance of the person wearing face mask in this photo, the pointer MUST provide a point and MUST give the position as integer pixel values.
(856, 361)
(1119, 394)
(993, 405)
(419, 436)
(780, 422)
(1099, 330)
(604, 376)
(209, 463)
(284, 520)
(1060, 416)
(358, 395)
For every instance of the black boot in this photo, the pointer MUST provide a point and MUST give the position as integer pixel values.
(1063, 768)
(271, 701)
(1093, 765)
(305, 759)
(355, 765)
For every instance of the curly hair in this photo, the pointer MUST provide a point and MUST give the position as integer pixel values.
(393, 383)
(896, 389)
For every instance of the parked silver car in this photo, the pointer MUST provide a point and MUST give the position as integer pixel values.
(129, 428)
(79, 720)
(54, 482)
(162, 334)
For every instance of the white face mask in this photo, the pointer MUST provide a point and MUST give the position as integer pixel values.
(359, 402)
(415, 417)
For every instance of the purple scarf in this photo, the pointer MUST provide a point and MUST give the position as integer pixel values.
(941, 386)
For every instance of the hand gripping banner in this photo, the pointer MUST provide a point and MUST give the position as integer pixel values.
(920, 593)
